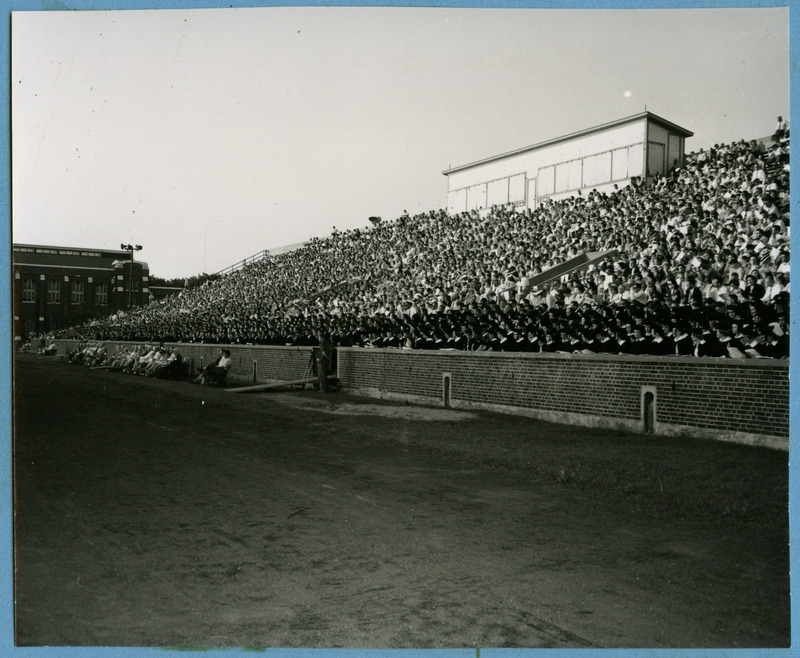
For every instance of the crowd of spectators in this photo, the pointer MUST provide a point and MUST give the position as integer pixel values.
(42, 344)
(698, 265)
(146, 360)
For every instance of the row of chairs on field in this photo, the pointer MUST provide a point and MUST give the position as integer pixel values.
(149, 360)
(145, 360)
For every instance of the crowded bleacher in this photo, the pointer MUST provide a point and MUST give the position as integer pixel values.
(699, 266)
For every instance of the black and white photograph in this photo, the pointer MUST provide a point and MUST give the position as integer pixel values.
(385, 328)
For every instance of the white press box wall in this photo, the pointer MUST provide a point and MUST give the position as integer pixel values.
(596, 158)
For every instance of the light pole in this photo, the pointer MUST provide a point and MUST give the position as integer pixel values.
(131, 248)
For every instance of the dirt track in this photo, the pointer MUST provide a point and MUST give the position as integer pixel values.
(153, 513)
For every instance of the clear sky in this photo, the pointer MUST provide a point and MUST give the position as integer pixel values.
(208, 135)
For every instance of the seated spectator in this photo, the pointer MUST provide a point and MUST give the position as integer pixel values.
(130, 360)
(216, 374)
(753, 290)
(117, 360)
(159, 361)
(173, 368)
(141, 364)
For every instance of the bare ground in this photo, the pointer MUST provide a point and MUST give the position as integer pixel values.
(156, 513)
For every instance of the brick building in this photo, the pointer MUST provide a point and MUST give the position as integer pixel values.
(55, 287)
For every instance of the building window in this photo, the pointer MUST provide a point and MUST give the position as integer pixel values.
(101, 294)
(77, 292)
(29, 291)
(28, 327)
(53, 291)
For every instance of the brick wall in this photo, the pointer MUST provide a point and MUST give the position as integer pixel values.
(261, 363)
(746, 401)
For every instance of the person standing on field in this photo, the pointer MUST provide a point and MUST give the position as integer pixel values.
(324, 361)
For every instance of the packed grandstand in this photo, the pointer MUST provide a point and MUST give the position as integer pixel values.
(697, 264)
